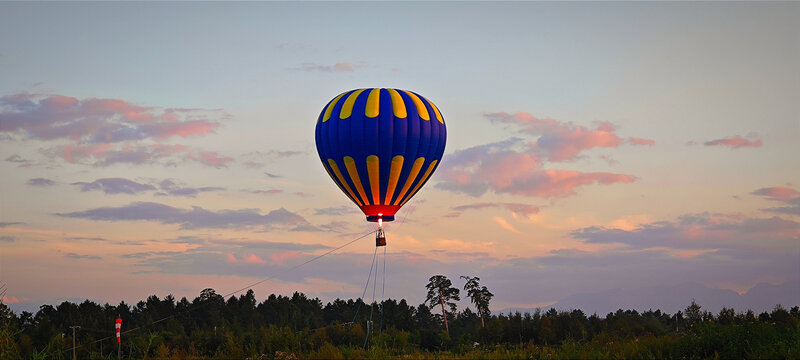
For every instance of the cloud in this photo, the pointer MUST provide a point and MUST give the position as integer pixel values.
(195, 218)
(146, 254)
(524, 209)
(6, 224)
(700, 231)
(505, 225)
(518, 166)
(89, 239)
(777, 193)
(81, 256)
(272, 176)
(338, 67)
(7, 239)
(9, 300)
(253, 259)
(41, 182)
(788, 196)
(103, 132)
(504, 169)
(115, 186)
(267, 192)
(169, 187)
(736, 142)
(103, 155)
(336, 211)
(95, 121)
(19, 160)
(210, 158)
(559, 141)
(257, 159)
(640, 141)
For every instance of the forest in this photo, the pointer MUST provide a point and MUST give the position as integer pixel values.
(298, 327)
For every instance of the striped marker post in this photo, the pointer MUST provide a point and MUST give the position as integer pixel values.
(117, 328)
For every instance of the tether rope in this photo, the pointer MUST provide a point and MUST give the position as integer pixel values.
(230, 293)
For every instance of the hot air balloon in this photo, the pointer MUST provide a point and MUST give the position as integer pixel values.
(380, 146)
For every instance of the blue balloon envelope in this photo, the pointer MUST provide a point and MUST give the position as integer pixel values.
(380, 146)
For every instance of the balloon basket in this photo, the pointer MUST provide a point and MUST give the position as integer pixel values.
(380, 238)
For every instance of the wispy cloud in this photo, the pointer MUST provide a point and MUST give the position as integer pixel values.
(503, 168)
(115, 186)
(640, 141)
(505, 225)
(81, 256)
(172, 188)
(336, 211)
(14, 158)
(338, 67)
(737, 142)
(93, 121)
(700, 231)
(524, 209)
(166, 187)
(6, 224)
(788, 196)
(194, 218)
(777, 193)
(103, 132)
(40, 182)
(266, 192)
(559, 141)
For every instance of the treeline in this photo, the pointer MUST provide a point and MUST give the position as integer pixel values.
(297, 326)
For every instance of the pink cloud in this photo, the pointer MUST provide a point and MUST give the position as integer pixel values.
(50, 117)
(72, 153)
(10, 300)
(559, 141)
(524, 209)
(736, 142)
(777, 193)
(640, 141)
(699, 231)
(553, 183)
(282, 256)
(253, 259)
(338, 67)
(231, 258)
(503, 169)
(211, 158)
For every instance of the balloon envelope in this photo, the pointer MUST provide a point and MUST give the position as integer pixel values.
(380, 146)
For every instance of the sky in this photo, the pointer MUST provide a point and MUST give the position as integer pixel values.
(165, 148)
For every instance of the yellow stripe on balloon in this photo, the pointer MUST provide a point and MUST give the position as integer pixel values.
(398, 106)
(347, 108)
(436, 110)
(421, 109)
(411, 176)
(350, 164)
(421, 181)
(394, 175)
(327, 169)
(329, 110)
(373, 103)
(373, 169)
(342, 181)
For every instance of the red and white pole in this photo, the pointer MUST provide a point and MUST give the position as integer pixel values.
(117, 328)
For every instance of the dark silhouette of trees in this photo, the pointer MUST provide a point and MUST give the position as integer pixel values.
(441, 292)
(210, 326)
(479, 295)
